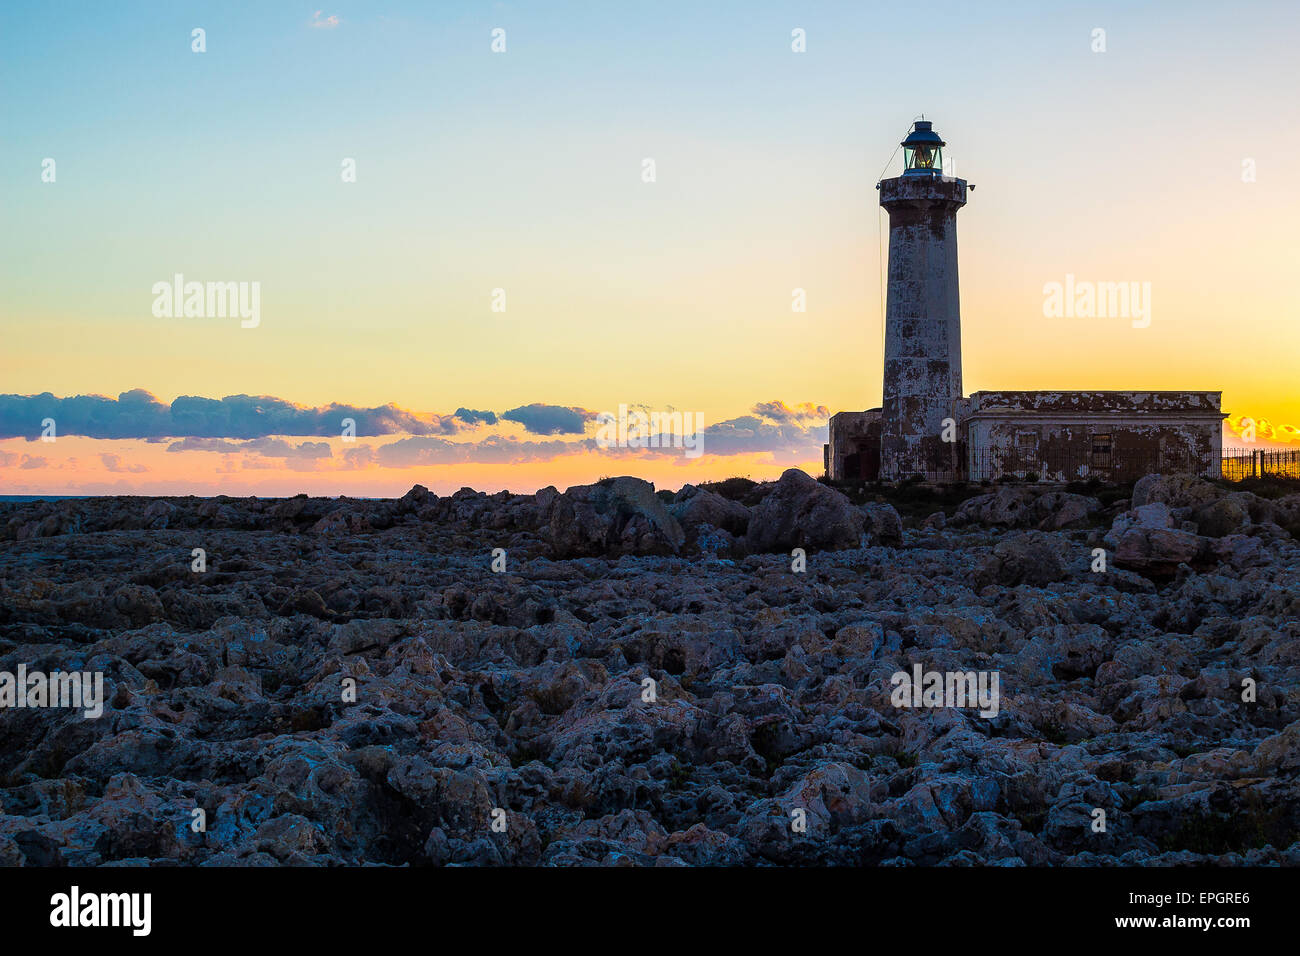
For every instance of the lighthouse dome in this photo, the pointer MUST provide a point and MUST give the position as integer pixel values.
(922, 151)
(923, 134)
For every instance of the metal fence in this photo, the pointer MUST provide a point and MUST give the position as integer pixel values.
(1242, 463)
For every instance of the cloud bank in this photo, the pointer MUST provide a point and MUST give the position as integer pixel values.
(259, 427)
(138, 414)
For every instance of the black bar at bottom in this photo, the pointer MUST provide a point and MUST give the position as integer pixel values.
(333, 906)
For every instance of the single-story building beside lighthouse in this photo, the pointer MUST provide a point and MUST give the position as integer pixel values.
(928, 428)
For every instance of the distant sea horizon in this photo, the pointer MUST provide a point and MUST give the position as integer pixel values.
(19, 499)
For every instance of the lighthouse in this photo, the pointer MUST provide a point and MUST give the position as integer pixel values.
(922, 384)
(925, 426)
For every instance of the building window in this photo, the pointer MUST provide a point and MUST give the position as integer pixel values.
(1026, 451)
(1101, 444)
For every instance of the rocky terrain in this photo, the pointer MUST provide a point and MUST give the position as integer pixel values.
(351, 681)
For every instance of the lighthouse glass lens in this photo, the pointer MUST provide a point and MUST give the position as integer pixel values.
(924, 157)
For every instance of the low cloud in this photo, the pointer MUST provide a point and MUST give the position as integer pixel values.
(114, 464)
(497, 449)
(324, 23)
(539, 419)
(262, 447)
(802, 414)
(472, 416)
(359, 458)
(138, 414)
(751, 434)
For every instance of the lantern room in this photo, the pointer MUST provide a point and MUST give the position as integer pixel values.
(922, 151)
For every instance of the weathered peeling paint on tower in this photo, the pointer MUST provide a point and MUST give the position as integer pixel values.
(922, 315)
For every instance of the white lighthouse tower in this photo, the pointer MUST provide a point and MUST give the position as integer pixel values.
(922, 314)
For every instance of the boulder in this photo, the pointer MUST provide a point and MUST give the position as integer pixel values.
(1146, 517)
(1279, 753)
(613, 516)
(707, 508)
(1228, 515)
(832, 795)
(1160, 550)
(1241, 551)
(1061, 509)
(1031, 557)
(1006, 506)
(138, 605)
(415, 500)
(803, 513)
(935, 522)
(158, 514)
(342, 521)
(1027, 508)
(1177, 491)
(883, 522)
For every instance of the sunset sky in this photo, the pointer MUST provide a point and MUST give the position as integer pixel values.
(523, 171)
